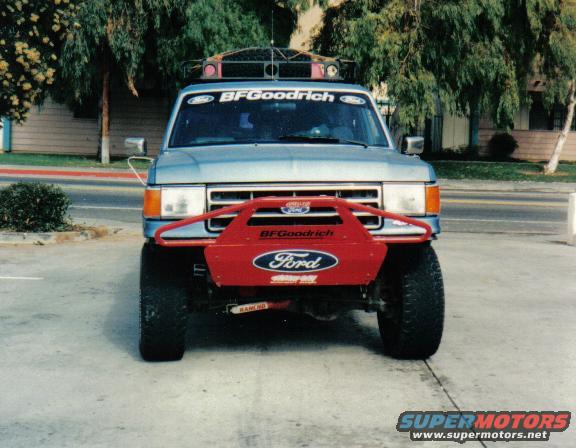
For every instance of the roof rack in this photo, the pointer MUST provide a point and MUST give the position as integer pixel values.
(270, 63)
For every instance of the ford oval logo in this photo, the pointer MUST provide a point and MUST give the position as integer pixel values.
(351, 99)
(202, 99)
(296, 208)
(295, 260)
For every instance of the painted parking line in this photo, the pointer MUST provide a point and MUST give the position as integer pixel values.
(499, 221)
(497, 202)
(3, 277)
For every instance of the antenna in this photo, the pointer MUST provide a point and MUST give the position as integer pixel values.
(272, 18)
(272, 40)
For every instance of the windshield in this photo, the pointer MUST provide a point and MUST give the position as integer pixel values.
(277, 116)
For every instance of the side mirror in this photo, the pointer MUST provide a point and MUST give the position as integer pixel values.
(136, 146)
(414, 145)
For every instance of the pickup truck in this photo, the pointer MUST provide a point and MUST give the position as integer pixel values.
(278, 186)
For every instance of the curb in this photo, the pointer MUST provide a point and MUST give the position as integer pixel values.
(43, 238)
(499, 186)
(59, 172)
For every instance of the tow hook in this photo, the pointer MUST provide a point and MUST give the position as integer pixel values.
(259, 306)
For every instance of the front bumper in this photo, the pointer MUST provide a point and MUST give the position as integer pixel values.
(252, 254)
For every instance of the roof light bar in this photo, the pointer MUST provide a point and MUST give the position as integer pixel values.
(270, 64)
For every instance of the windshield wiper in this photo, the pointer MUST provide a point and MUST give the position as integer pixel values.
(320, 139)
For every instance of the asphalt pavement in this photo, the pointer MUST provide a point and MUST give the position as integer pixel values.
(71, 375)
(119, 202)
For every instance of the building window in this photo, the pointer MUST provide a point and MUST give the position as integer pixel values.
(560, 116)
(540, 118)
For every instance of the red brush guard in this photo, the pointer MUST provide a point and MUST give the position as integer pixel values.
(287, 255)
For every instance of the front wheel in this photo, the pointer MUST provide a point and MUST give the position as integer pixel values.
(163, 305)
(412, 321)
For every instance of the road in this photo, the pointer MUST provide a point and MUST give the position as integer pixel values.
(72, 376)
(119, 202)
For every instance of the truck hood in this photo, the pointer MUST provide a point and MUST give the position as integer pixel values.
(287, 163)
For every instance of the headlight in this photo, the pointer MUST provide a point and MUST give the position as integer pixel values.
(405, 199)
(182, 202)
(174, 202)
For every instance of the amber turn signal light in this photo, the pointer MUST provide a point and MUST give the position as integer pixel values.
(152, 203)
(433, 200)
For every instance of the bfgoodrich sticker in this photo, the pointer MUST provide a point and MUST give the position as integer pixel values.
(267, 95)
(296, 234)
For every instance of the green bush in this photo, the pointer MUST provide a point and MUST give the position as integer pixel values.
(501, 146)
(33, 207)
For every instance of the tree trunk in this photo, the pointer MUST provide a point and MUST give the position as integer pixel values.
(552, 164)
(105, 138)
(396, 129)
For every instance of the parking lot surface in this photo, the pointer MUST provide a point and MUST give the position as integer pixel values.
(71, 376)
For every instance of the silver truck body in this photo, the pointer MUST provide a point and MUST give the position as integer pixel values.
(234, 172)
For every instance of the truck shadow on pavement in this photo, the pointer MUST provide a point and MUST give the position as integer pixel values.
(278, 331)
(267, 330)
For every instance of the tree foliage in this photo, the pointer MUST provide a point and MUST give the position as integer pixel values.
(111, 32)
(205, 27)
(31, 34)
(556, 59)
(452, 49)
(58, 45)
(150, 38)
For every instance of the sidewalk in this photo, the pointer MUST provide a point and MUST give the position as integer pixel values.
(124, 174)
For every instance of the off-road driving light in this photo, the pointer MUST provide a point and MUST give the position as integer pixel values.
(210, 71)
(432, 200)
(405, 199)
(331, 71)
(181, 202)
(152, 207)
(317, 70)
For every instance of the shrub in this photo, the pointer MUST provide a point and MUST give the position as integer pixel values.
(501, 146)
(33, 207)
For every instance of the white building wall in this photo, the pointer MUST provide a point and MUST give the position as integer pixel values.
(455, 131)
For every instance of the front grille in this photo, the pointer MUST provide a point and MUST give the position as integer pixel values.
(223, 196)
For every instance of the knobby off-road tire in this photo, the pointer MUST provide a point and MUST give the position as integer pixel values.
(163, 304)
(412, 324)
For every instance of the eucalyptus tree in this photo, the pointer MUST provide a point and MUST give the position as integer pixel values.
(111, 38)
(556, 61)
(454, 50)
(135, 39)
